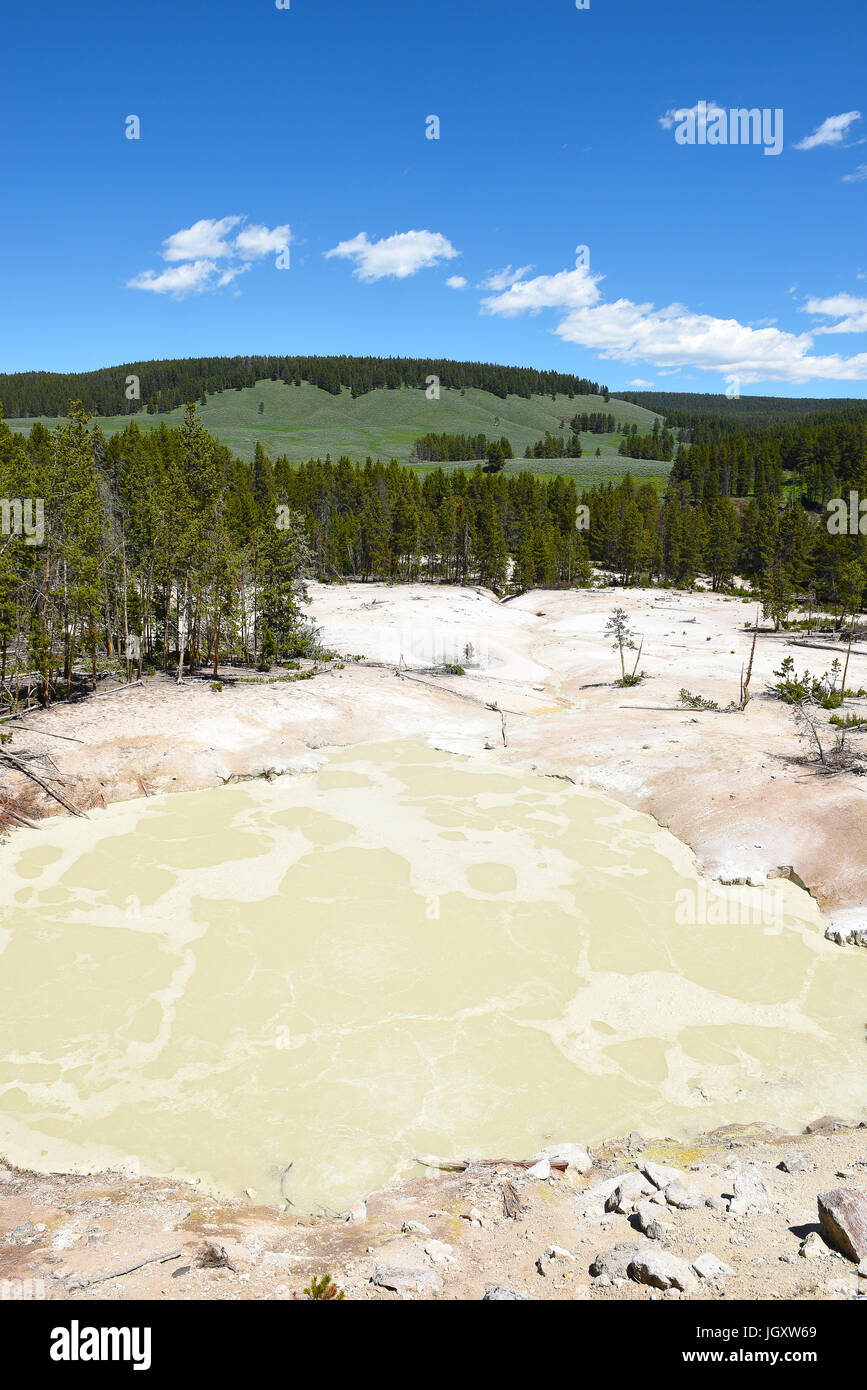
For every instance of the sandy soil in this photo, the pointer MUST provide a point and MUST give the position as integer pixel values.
(735, 787)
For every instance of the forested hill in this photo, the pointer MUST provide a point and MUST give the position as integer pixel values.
(682, 408)
(161, 386)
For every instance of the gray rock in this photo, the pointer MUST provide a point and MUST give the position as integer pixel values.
(628, 1193)
(662, 1177)
(843, 1218)
(501, 1293)
(573, 1154)
(553, 1253)
(751, 1192)
(614, 1263)
(407, 1280)
(597, 1196)
(540, 1170)
(650, 1221)
(439, 1252)
(847, 936)
(662, 1270)
(709, 1267)
(795, 1163)
(827, 1124)
(681, 1197)
(813, 1246)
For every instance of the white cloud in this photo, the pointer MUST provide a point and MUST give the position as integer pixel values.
(830, 132)
(231, 273)
(195, 254)
(680, 113)
(400, 255)
(673, 336)
(456, 282)
(205, 238)
(639, 382)
(253, 242)
(567, 289)
(859, 175)
(847, 308)
(504, 279)
(191, 278)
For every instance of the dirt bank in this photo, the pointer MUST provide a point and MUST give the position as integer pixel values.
(448, 1235)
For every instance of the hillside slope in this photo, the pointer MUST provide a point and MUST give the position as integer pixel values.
(303, 421)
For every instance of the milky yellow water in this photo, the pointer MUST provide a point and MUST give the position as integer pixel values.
(402, 952)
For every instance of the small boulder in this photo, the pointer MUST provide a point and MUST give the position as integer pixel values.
(614, 1263)
(438, 1252)
(662, 1270)
(651, 1221)
(676, 1195)
(572, 1154)
(795, 1163)
(540, 1170)
(843, 1218)
(660, 1176)
(407, 1280)
(827, 1124)
(597, 1196)
(414, 1228)
(501, 1293)
(813, 1246)
(709, 1267)
(628, 1193)
(751, 1192)
(554, 1252)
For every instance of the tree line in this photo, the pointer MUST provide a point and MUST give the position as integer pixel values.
(659, 444)
(456, 448)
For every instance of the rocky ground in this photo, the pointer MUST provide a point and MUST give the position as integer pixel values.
(742, 1213)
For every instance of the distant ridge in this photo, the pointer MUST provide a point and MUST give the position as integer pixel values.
(167, 384)
(682, 407)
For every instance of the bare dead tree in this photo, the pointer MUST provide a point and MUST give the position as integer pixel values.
(745, 682)
(835, 754)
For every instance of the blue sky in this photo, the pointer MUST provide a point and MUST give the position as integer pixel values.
(306, 127)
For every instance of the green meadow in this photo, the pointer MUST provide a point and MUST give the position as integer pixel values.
(305, 422)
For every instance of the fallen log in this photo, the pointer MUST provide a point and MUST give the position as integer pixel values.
(460, 1165)
(837, 648)
(101, 694)
(83, 1281)
(44, 785)
(66, 737)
